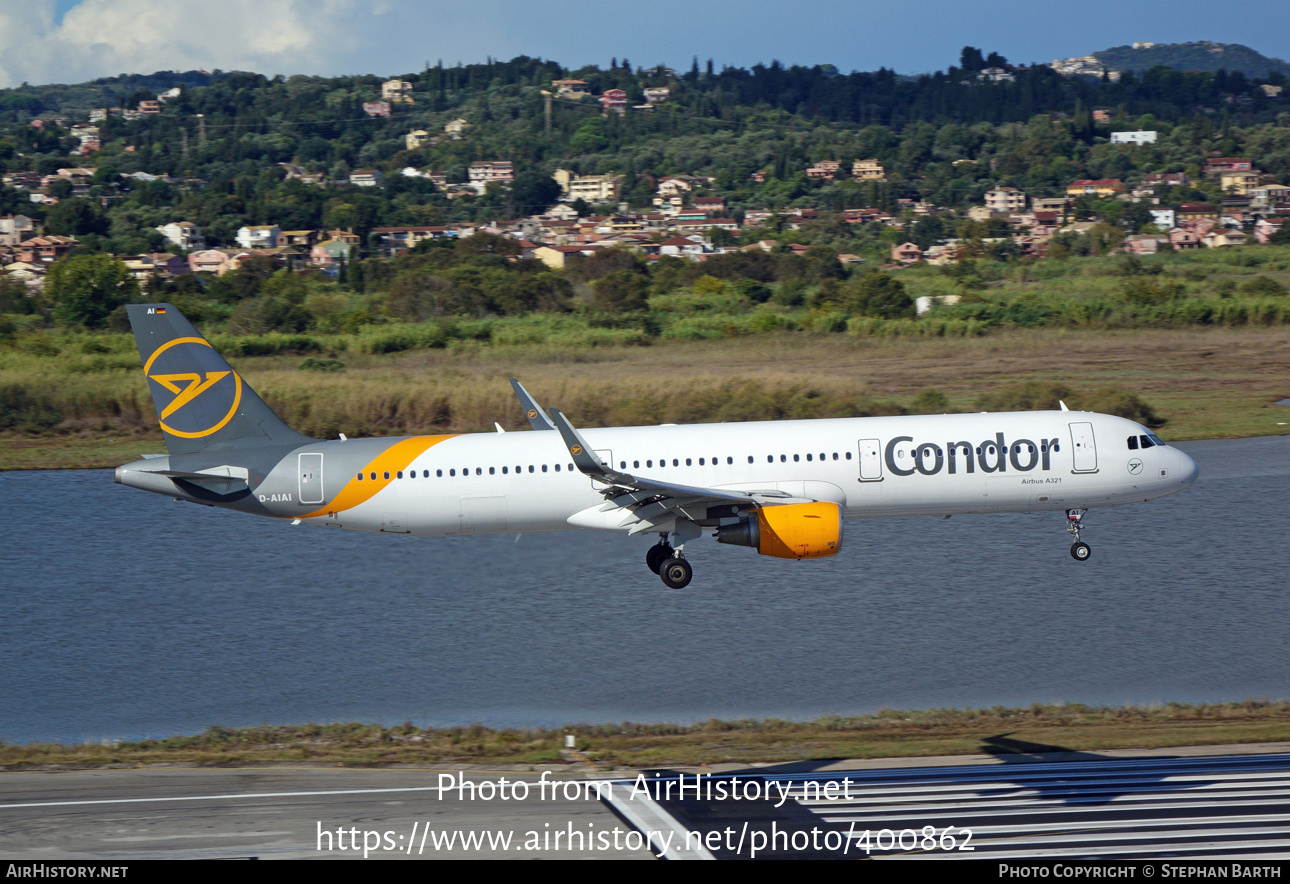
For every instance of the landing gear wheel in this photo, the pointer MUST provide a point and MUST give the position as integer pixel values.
(1080, 551)
(676, 573)
(657, 555)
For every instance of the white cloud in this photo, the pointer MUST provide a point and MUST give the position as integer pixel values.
(106, 37)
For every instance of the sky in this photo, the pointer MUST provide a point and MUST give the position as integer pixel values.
(70, 41)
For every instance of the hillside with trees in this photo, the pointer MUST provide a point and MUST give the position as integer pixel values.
(1201, 55)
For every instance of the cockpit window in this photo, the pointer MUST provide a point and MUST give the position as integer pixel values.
(1146, 442)
(1156, 439)
(1133, 443)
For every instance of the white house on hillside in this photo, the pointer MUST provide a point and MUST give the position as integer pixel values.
(1141, 137)
(184, 234)
(259, 237)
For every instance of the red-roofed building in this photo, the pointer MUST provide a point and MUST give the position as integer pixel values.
(683, 246)
(712, 206)
(906, 253)
(1216, 166)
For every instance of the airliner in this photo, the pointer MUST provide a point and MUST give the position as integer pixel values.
(782, 488)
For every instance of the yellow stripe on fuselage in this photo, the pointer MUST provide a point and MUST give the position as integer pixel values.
(391, 460)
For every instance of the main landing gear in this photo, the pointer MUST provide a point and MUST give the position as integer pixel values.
(669, 564)
(1080, 551)
(658, 554)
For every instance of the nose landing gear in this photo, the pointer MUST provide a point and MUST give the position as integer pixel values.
(1080, 551)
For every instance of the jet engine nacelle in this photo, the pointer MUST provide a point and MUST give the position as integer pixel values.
(792, 531)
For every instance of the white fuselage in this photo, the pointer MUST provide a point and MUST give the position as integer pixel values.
(881, 466)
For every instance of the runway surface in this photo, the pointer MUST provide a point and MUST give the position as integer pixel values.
(1222, 807)
(1017, 805)
(297, 813)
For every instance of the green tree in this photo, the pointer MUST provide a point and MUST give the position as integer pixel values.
(76, 217)
(878, 294)
(534, 193)
(1151, 289)
(620, 290)
(85, 289)
(1263, 287)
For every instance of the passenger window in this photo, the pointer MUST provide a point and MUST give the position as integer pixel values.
(848, 455)
(783, 458)
(688, 462)
(387, 475)
(571, 468)
(530, 468)
(701, 461)
(557, 468)
(730, 460)
(808, 457)
(373, 477)
(796, 459)
(425, 474)
(360, 477)
(750, 460)
(544, 468)
(675, 462)
(835, 455)
(622, 465)
(649, 464)
(636, 464)
(1133, 443)
(438, 474)
(400, 474)
(492, 471)
(505, 471)
(452, 473)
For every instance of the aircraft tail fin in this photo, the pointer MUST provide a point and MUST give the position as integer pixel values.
(201, 402)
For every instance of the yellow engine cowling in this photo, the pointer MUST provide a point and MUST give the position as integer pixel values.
(793, 531)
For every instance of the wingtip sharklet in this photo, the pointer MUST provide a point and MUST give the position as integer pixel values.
(533, 412)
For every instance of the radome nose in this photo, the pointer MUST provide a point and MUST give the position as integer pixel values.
(1187, 470)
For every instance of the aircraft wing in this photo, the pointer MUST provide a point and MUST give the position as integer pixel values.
(650, 503)
(532, 411)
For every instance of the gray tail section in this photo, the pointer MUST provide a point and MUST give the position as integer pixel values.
(201, 402)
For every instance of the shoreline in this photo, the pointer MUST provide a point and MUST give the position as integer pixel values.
(1015, 733)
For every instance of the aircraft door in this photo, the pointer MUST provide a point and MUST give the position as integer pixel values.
(870, 460)
(1084, 448)
(311, 478)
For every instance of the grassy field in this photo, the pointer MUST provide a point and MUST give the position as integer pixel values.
(888, 734)
(93, 409)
